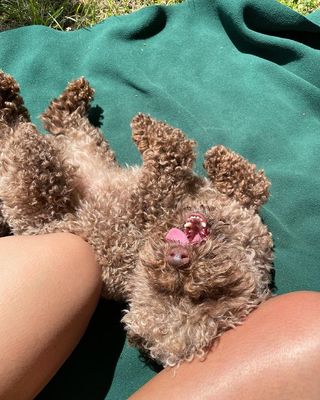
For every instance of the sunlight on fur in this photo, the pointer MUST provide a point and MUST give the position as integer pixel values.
(189, 254)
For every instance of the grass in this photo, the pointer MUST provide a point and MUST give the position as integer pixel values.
(302, 6)
(75, 14)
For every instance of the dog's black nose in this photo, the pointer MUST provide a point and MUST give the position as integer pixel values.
(177, 256)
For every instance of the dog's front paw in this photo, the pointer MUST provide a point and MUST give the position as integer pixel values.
(236, 177)
(161, 142)
(141, 125)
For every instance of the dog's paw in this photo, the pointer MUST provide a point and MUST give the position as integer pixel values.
(161, 141)
(236, 177)
(12, 109)
(66, 110)
(78, 94)
(141, 125)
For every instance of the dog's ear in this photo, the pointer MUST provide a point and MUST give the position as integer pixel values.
(234, 176)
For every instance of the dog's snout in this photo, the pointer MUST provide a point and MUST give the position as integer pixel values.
(178, 256)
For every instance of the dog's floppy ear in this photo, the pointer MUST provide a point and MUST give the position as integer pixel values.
(234, 176)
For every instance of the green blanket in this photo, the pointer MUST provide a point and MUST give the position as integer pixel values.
(244, 73)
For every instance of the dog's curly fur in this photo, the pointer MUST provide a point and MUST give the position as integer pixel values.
(70, 181)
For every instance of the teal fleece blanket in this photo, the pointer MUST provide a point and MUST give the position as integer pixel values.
(243, 73)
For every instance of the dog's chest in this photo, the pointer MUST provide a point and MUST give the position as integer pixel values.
(113, 184)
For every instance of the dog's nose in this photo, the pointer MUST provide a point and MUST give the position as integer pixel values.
(177, 256)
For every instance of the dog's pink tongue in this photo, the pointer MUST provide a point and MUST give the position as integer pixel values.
(197, 238)
(176, 235)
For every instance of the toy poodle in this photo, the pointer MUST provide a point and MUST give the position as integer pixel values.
(189, 254)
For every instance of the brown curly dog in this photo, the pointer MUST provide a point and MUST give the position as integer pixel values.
(189, 254)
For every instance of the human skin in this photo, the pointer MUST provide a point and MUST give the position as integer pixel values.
(275, 354)
(49, 288)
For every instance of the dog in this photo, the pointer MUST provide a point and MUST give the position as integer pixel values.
(189, 254)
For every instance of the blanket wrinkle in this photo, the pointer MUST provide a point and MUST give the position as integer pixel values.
(302, 31)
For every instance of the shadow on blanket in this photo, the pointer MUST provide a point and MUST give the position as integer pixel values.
(88, 372)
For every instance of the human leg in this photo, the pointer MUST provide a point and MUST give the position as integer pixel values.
(274, 354)
(49, 288)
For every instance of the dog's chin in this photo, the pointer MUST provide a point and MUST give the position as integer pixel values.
(167, 280)
(164, 278)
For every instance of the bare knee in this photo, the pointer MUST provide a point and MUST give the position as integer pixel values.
(297, 313)
(284, 347)
(65, 256)
(298, 316)
(78, 260)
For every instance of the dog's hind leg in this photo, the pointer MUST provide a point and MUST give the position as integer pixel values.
(36, 185)
(12, 112)
(12, 109)
(66, 118)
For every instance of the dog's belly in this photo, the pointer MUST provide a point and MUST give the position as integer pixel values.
(95, 179)
(102, 219)
(114, 182)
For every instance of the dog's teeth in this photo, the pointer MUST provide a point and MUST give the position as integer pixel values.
(203, 224)
(187, 224)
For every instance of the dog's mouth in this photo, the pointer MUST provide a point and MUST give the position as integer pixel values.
(195, 230)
